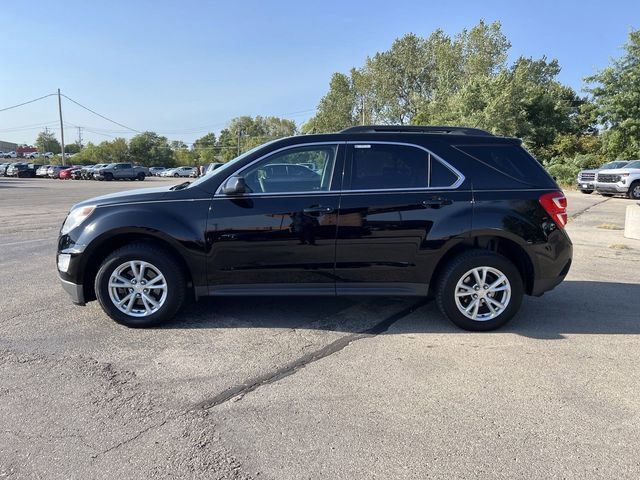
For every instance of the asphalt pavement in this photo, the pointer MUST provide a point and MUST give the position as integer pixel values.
(316, 388)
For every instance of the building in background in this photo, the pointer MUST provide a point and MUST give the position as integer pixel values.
(8, 146)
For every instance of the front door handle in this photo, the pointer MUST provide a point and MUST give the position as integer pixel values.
(318, 209)
(436, 202)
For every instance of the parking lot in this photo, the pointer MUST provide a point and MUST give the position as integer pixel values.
(339, 388)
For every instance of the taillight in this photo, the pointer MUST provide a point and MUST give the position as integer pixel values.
(555, 204)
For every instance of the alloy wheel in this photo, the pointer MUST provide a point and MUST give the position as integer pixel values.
(137, 288)
(483, 293)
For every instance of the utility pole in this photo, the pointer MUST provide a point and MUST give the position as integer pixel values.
(80, 137)
(362, 107)
(239, 133)
(61, 126)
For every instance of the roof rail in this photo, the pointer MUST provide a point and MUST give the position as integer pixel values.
(416, 129)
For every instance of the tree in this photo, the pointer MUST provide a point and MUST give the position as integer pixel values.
(616, 94)
(150, 149)
(205, 149)
(245, 133)
(47, 142)
(336, 109)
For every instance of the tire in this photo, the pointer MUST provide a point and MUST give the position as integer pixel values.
(108, 177)
(459, 271)
(176, 175)
(587, 192)
(158, 260)
(141, 176)
(634, 190)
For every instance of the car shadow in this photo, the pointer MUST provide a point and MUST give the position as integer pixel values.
(574, 307)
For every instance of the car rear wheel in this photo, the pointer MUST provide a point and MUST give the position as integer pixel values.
(480, 290)
(140, 285)
(141, 176)
(634, 191)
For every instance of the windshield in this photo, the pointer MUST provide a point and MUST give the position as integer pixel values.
(226, 167)
(616, 164)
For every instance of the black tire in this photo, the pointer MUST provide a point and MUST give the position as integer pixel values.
(176, 175)
(141, 176)
(160, 259)
(587, 192)
(634, 190)
(457, 269)
(108, 176)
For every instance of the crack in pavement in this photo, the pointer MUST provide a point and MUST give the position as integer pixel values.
(130, 439)
(292, 367)
(585, 210)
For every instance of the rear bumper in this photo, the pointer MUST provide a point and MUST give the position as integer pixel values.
(553, 262)
(75, 291)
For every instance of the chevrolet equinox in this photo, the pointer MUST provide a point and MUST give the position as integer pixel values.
(457, 213)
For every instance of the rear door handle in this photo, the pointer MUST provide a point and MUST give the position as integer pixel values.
(318, 209)
(436, 202)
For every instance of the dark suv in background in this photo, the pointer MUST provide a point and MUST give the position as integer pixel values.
(469, 217)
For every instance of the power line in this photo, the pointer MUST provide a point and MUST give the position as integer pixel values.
(100, 115)
(28, 102)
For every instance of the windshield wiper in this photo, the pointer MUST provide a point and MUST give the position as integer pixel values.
(180, 186)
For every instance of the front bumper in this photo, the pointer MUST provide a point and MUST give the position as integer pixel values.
(76, 292)
(612, 187)
(585, 185)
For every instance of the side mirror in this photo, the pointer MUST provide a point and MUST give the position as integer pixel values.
(236, 185)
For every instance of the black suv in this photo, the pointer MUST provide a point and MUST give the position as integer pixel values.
(379, 210)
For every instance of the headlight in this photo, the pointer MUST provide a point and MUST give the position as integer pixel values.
(75, 218)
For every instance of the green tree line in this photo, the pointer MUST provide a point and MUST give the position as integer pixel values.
(464, 79)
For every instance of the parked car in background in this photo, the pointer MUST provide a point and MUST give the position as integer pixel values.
(76, 173)
(167, 172)
(3, 168)
(457, 213)
(32, 155)
(156, 171)
(213, 166)
(183, 171)
(620, 181)
(11, 154)
(88, 171)
(23, 170)
(121, 171)
(12, 169)
(48, 154)
(42, 171)
(54, 171)
(586, 181)
(65, 174)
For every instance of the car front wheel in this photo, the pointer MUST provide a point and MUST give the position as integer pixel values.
(634, 191)
(587, 192)
(480, 290)
(140, 285)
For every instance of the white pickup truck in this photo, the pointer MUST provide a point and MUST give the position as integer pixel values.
(620, 181)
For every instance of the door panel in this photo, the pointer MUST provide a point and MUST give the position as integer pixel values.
(392, 239)
(279, 240)
(276, 238)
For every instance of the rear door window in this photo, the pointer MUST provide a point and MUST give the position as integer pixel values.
(392, 166)
(511, 160)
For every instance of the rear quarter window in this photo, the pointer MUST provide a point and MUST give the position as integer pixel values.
(510, 160)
